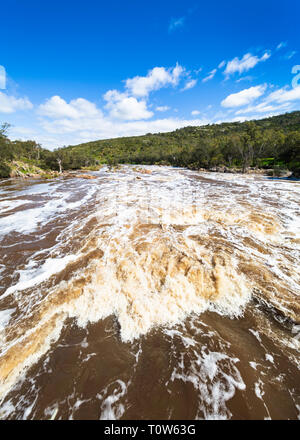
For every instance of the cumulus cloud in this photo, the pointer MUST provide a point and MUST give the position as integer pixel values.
(69, 132)
(127, 112)
(123, 113)
(122, 106)
(210, 76)
(247, 62)
(110, 128)
(56, 108)
(10, 104)
(130, 105)
(243, 97)
(158, 77)
(63, 119)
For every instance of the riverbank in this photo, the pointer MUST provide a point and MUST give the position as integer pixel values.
(23, 170)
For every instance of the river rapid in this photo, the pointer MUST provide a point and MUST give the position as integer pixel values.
(150, 293)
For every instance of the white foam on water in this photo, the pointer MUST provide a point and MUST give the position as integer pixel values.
(32, 275)
(30, 219)
(187, 341)
(8, 205)
(259, 392)
(163, 284)
(5, 316)
(6, 409)
(18, 375)
(111, 407)
(269, 358)
(207, 375)
(256, 334)
(258, 388)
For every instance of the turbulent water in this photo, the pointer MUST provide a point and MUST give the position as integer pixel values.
(155, 293)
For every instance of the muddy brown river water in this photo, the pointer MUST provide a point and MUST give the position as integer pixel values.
(150, 293)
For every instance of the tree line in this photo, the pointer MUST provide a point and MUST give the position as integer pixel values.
(32, 153)
(267, 143)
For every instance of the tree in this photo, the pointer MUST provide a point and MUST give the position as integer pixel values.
(290, 152)
(230, 148)
(4, 129)
(248, 144)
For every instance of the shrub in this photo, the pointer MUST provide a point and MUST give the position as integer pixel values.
(5, 170)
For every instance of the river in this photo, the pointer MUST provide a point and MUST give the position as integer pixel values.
(150, 293)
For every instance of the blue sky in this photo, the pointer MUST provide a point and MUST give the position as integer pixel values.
(74, 71)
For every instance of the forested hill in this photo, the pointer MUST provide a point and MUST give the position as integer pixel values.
(269, 143)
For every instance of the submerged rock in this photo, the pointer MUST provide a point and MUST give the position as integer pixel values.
(85, 176)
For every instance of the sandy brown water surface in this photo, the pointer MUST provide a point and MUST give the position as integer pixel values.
(166, 294)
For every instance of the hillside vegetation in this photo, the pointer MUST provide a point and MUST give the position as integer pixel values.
(267, 143)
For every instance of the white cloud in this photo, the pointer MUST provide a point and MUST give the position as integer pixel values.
(128, 112)
(222, 64)
(197, 71)
(129, 109)
(124, 113)
(263, 107)
(189, 84)
(243, 118)
(176, 23)
(281, 45)
(280, 100)
(71, 132)
(255, 116)
(10, 104)
(210, 76)
(2, 78)
(162, 108)
(130, 105)
(244, 78)
(243, 97)
(244, 64)
(284, 95)
(22, 131)
(290, 55)
(156, 78)
(56, 108)
(122, 106)
(265, 57)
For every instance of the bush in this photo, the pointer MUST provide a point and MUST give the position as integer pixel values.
(5, 170)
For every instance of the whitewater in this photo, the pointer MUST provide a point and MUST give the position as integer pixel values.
(150, 292)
